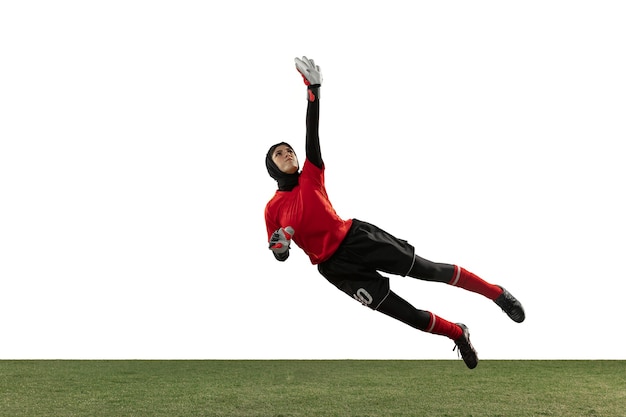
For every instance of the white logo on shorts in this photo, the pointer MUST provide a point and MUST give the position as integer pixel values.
(363, 297)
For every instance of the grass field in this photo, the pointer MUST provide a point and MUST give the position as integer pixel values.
(312, 388)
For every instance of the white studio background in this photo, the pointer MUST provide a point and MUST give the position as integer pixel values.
(132, 177)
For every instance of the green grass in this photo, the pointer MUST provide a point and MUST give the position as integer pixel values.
(312, 388)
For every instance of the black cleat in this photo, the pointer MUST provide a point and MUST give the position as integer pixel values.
(467, 351)
(511, 306)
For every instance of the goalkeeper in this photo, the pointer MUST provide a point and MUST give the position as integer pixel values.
(350, 253)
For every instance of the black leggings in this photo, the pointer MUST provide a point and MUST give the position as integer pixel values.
(430, 271)
(400, 309)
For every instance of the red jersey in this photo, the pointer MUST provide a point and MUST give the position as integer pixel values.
(318, 230)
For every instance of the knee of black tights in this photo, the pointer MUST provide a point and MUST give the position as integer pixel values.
(431, 271)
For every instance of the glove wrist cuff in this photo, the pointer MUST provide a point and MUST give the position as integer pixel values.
(313, 92)
(282, 257)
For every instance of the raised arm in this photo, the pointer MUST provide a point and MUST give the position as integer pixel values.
(312, 76)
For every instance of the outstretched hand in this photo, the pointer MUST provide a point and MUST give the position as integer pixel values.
(311, 73)
(281, 239)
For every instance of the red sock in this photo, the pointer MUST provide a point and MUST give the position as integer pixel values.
(462, 278)
(443, 327)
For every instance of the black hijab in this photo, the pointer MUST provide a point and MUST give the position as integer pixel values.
(286, 182)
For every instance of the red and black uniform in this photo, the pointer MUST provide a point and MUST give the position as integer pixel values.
(350, 253)
(307, 209)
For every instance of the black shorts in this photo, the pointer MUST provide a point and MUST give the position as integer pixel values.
(367, 249)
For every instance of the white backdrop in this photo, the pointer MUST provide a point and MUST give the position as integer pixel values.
(132, 177)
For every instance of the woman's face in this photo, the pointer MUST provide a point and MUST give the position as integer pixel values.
(285, 159)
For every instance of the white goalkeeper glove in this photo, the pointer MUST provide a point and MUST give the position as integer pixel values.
(280, 242)
(311, 73)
